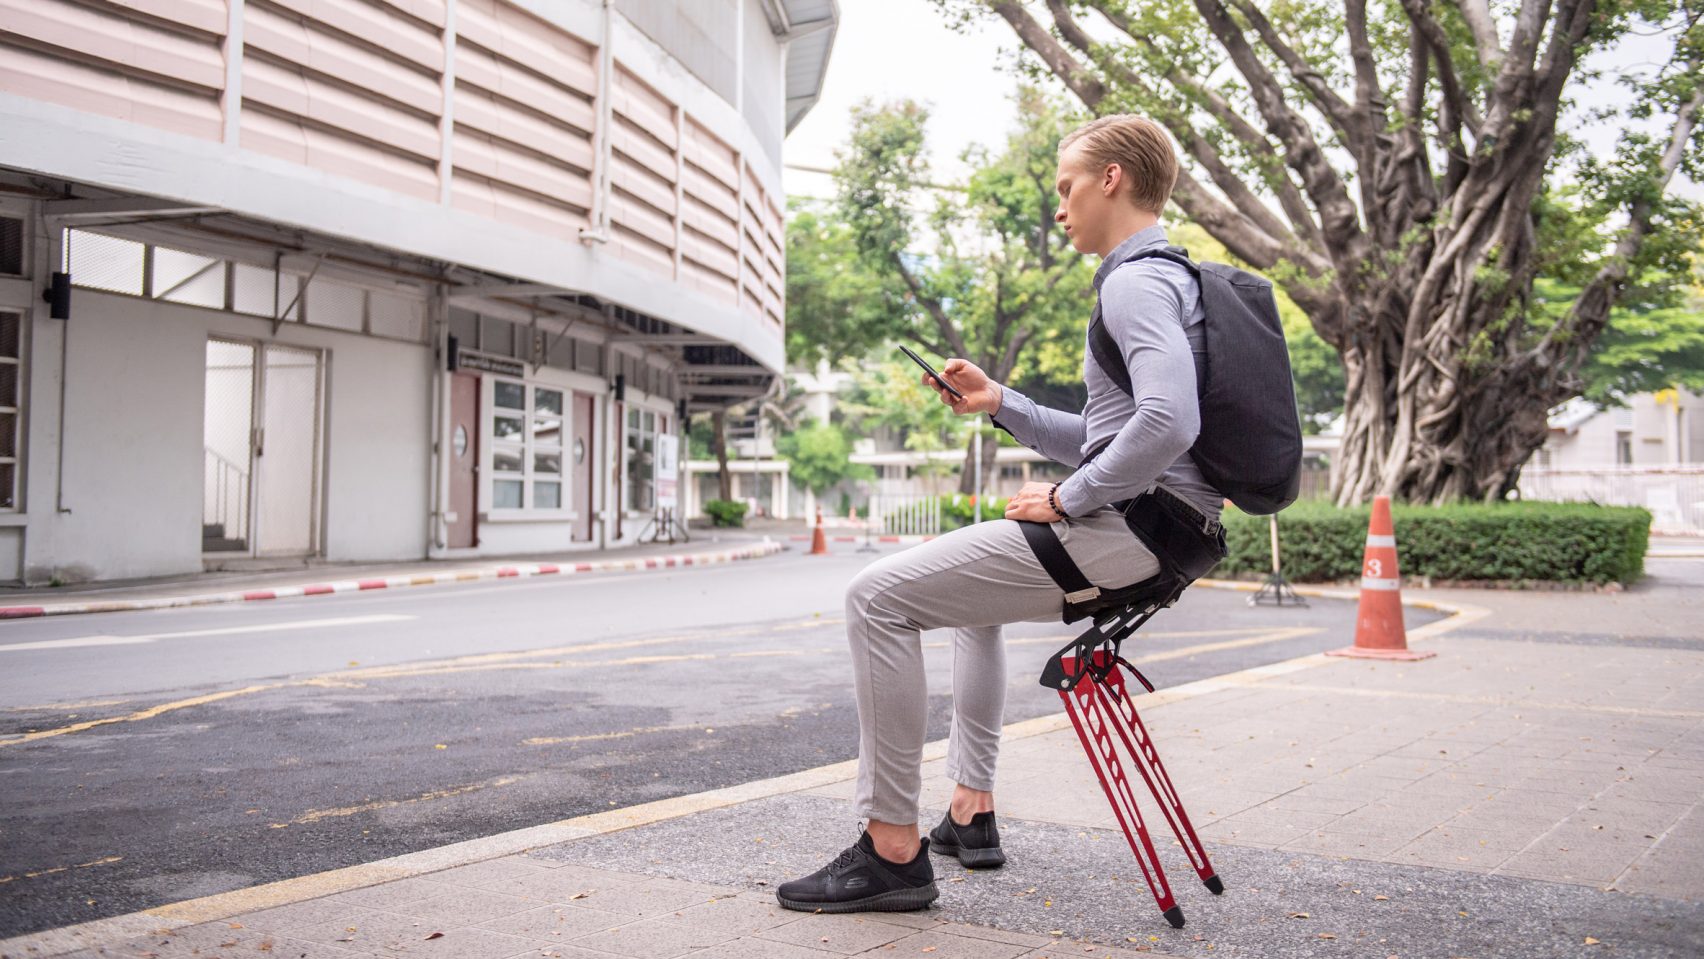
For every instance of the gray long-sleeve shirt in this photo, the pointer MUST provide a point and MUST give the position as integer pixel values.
(1152, 308)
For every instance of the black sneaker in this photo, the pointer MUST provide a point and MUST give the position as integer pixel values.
(976, 845)
(858, 880)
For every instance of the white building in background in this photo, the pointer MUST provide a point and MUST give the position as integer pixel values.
(1665, 428)
(377, 279)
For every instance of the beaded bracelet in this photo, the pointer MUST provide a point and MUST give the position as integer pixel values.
(1053, 501)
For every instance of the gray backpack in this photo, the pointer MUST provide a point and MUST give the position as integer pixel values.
(1250, 445)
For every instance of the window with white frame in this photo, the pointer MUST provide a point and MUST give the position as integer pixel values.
(641, 472)
(527, 432)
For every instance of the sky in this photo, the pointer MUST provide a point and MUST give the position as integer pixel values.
(888, 49)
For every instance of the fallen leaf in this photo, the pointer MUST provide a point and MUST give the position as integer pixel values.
(1327, 935)
(956, 879)
(579, 895)
(1381, 899)
(927, 949)
(1590, 941)
(440, 746)
(436, 935)
(1300, 915)
(1462, 914)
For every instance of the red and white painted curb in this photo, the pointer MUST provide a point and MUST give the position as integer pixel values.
(873, 539)
(767, 547)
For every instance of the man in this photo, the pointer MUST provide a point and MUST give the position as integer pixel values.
(1115, 176)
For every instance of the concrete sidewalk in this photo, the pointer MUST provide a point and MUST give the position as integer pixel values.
(236, 587)
(1532, 791)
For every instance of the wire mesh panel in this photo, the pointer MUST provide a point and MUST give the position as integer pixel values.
(102, 262)
(11, 328)
(188, 278)
(228, 427)
(287, 460)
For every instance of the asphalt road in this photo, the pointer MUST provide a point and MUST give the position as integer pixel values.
(148, 758)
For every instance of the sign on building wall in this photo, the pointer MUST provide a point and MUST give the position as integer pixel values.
(502, 365)
(668, 471)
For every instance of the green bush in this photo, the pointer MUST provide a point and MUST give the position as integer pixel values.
(1503, 542)
(725, 512)
(957, 510)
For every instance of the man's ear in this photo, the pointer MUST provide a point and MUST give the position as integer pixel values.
(1110, 179)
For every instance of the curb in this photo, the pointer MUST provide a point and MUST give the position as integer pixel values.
(767, 547)
(860, 539)
(172, 916)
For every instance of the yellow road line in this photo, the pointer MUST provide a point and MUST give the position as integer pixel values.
(53, 869)
(318, 814)
(484, 662)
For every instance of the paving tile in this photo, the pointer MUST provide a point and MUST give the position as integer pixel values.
(652, 939)
(400, 892)
(1347, 845)
(492, 871)
(843, 935)
(997, 935)
(206, 942)
(559, 885)
(282, 919)
(465, 907)
(555, 923)
(658, 897)
(758, 949)
(944, 944)
(392, 935)
(739, 916)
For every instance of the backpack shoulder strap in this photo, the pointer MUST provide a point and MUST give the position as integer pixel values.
(1101, 344)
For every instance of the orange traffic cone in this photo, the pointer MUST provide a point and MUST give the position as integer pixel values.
(819, 539)
(1379, 633)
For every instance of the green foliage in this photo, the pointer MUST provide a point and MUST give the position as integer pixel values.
(981, 272)
(819, 456)
(960, 510)
(890, 395)
(1501, 542)
(835, 307)
(725, 512)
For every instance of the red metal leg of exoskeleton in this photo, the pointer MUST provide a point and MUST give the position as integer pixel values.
(1096, 712)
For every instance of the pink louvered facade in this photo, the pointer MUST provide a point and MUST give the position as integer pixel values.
(487, 108)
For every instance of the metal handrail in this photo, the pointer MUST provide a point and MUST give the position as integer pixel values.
(227, 494)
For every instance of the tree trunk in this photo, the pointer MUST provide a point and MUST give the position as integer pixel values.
(967, 474)
(719, 446)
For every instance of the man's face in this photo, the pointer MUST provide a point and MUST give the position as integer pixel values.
(1083, 203)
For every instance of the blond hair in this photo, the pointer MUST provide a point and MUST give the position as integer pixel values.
(1139, 146)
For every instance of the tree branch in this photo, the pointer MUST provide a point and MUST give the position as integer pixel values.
(1302, 220)
(930, 305)
(1433, 34)
(1326, 99)
(1087, 87)
(1199, 147)
(1477, 13)
(1590, 312)
(1339, 219)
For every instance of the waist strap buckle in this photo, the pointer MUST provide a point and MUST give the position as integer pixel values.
(1083, 595)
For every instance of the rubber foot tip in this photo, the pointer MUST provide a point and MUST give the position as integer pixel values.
(1215, 885)
(1174, 915)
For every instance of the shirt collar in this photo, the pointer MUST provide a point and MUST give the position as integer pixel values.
(1142, 239)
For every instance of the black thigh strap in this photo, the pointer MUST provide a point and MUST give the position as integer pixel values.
(1044, 542)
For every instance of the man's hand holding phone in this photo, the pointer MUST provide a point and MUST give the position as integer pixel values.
(981, 394)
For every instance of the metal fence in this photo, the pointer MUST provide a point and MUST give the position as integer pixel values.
(905, 514)
(1673, 494)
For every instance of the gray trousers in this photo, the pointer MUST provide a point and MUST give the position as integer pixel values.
(971, 581)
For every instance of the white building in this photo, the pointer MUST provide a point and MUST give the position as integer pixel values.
(378, 279)
(1665, 428)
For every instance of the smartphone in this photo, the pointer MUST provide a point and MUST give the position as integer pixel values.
(931, 371)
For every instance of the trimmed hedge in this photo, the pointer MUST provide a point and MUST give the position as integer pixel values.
(1503, 542)
(725, 512)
